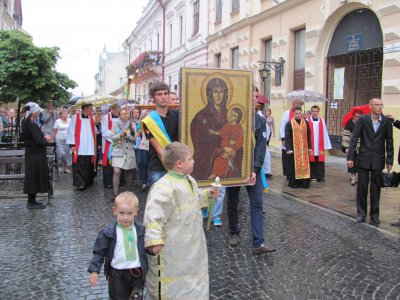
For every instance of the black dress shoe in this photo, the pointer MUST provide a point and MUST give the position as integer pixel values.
(320, 180)
(360, 219)
(375, 221)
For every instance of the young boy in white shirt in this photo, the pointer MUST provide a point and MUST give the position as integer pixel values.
(121, 245)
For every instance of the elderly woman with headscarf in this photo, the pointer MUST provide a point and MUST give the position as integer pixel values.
(36, 168)
(211, 117)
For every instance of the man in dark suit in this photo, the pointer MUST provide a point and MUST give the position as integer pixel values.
(375, 132)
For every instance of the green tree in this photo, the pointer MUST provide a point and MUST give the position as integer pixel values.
(27, 72)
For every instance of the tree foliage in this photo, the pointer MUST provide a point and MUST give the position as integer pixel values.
(28, 72)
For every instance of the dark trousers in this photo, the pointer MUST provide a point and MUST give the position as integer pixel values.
(122, 285)
(285, 164)
(256, 210)
(317, 169)
(83, 171)
(142, 160)
(371, 177)
(107, 175)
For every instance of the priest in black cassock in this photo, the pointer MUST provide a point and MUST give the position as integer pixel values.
(81, 138)
(298, 149)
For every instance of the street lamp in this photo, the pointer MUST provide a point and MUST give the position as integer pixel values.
(264, 73)
(267, 66)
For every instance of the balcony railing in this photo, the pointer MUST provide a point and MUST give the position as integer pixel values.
(145, 66)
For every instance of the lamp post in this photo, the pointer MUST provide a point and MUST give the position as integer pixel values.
(277, 67)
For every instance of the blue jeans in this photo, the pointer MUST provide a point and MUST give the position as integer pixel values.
(154, 176)
(142, 161)
(219, 204)
(256, 210)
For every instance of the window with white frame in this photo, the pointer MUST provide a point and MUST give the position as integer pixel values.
(235, 5)
(299, 59)
(180, 30)
(217, 60)
(235, 58)
(170, 36)
(196, 16)
(218, 10)
(267, 57)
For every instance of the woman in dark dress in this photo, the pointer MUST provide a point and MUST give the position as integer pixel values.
(347, 132)
(36, 168)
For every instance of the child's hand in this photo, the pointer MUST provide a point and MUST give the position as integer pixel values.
(155, 249)
(93, 278)
(214, 193)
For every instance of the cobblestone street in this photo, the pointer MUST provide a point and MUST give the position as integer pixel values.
(44, 254)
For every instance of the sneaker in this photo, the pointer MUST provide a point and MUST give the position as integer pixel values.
(204, 213)
(262, 249)
(144, 187)
(217, 222)
(36, 205)
(233, 240)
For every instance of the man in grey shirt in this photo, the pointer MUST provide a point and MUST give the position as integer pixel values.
(49, 117)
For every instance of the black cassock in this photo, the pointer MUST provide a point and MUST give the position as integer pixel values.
(36, 168)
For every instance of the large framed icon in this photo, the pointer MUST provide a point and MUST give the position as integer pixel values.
(216, 122)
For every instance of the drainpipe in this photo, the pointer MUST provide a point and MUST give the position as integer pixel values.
(163, 45)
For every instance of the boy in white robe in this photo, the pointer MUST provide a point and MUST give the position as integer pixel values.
(174, 235)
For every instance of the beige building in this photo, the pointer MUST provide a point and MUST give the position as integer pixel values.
(346, 50)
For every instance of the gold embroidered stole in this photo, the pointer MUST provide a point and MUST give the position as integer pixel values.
(300, 150)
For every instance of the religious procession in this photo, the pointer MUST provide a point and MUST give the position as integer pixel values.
(219, 150)
(223, 145)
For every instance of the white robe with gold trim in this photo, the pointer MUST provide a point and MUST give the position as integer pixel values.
(173, 218)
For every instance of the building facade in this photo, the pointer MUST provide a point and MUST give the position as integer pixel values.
(10, 14)
(346, 50)
(170, 34)
(186, 33)
(111, 77)
(143, 51)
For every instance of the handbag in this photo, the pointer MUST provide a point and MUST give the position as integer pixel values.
(390, 179)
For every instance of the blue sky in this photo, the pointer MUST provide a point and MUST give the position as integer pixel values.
(80, 28)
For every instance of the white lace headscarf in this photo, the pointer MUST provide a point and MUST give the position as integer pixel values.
(32, 107)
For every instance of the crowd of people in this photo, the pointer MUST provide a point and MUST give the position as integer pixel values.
(144, 145)
(7, 124)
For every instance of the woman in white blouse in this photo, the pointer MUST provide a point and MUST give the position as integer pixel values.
(60, 134)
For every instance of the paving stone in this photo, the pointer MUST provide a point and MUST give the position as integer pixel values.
(45, 254)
